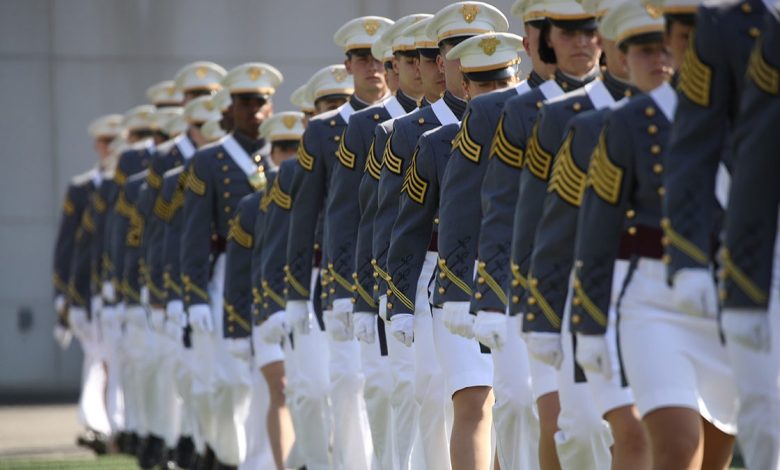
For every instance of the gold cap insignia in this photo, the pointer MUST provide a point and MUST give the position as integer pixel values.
(469, 12)
(170, 90)
(654, 11)
(201, 72)
(339, 74)
(289, 121)
(488, 45)
(208, 106)
(371, 26)
(254, 73)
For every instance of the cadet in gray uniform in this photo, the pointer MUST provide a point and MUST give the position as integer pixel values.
(675, 364)
(750, 319)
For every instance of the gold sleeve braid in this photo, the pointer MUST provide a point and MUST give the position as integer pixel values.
(414, 185)
(538, 160)
(344, 155)
(503, 150)
(695, 76)
(567, 180)
(764, 75)
(605, 177)
(465, 144)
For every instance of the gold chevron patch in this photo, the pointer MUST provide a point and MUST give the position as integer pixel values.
(567, 180)
(196, 185)
(305, 159)
(414, 185)
(373, 166)
(237, 233)
(504, 150)
(154, 180)
(465, 144)
(538, 160)
(695, 76)
(344, 155)
(764, 75)
(605, 177)
(390, 159)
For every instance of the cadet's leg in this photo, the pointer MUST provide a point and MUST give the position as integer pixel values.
(676, 438)
(278, 421)
(718, 447)
(473, 419)
(631, 448)
(549, 408)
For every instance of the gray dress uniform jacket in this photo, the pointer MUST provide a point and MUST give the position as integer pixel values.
(134, 239)
(343, 206)
(414, 227)
(710, 82)
(751, 222)
(624, 189)
(216, 183)
(316, 159)
(269, 253)
(395, 160)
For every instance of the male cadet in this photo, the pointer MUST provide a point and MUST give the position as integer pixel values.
(553, 249)
(300, 99)
(306, 355)
(342, 217)
(198, 79)
(77, 312)
(487, 62)
(750, 321)
(411, 392)
(316, 158)
(218, 178)
(676, 365)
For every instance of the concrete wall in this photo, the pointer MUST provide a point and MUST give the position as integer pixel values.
(63, 63)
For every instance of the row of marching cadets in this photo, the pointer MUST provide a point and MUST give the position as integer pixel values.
(437, 264)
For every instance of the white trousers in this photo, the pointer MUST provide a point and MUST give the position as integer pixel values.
(258, 454)
(92, 404)
(110, 338)
(165, 420)
(378, 393)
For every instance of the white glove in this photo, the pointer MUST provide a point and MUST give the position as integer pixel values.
(383, 307)
(402, 328)
(274, 329)
(544, 347)
(365, 327)
(63, 336)
(174, 310)
(458, 320)
(298, 317)
(136, 315)
(747, 327)
(77, 317)
(173, 330)
(240, 348)
(490, 329)
(107, 291)
(200, 318)
(95, 305)
(60, 304)
(144, 296)
(593, 354)
(157, 319)
(694, 292)
(340, 320)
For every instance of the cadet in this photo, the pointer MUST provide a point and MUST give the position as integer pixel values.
(316, 159)
(198, 79)
(306, 355)
(750, 320)
(675, 365)
(300, 99)
(382, 379)
(77, 299)
(218, 178)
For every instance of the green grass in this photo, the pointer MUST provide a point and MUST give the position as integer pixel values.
(108, 462)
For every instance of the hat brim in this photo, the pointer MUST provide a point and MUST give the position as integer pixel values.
(587, 23)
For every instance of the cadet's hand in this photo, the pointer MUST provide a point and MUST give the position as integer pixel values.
(274, 329)
(240, 348)
(63, 336)
(593, 354)
(157, 319)
(490, 329)
(694, 292)
(79, 323)
(458, 319)
(60, 305)
(747, 327)
(341, 320)
(298, 317)
(365, 327)
(107, 291)
(174, 310)
(402, 328)
(544, 347)
(200, 318)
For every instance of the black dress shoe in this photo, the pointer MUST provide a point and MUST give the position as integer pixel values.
(185, 452)
(95, 441)
(152, 452)
(207, 460)
(169, 460)
(132, 444)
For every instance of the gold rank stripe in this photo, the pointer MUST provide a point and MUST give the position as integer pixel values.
(544, 306)
(256, 297)
(414, 185)
(120, 177)
(391, 160)
(154, 180)
(463, 142)
(100, 203)
(169, 284)
(122, 206)
(518, 276)
(135, 229)
(587, 304)
(266, 200)
(382, 273)
(189, 286)
(59, 284)
(681, 243)
(74, 296)
(106, 262)
(400, 295)
(364, 295)
(459, 283)
(567, 180)
(162, 209)
(196, 185)
(491, 282)
(373, 166)
(755, 293)
(273, 295)
(87, 222)
(343, 154)
(340, 279)
(764, 75)
(538, 160)
(129, 292)
(305, 159)
(235, 317)
(68, 208)
(504, 150)
(237, 233)
(605, 177)
(177, 202)
(294, 283)
(279, 197)
(695, 76)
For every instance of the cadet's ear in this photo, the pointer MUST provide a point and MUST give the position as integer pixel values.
(440, 63)
(526, 43)
(396, 68)
(348, 64)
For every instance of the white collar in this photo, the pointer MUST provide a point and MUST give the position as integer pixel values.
(522, 87)
(346, 110)
(598, 94)
(666, 99)
(550, 89)
(443, 112)
(185, 146)
(394, 107)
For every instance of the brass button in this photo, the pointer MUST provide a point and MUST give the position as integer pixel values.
(577, 284)
(376, 274)
(666, 223)
(565, 86)
(515, 299)
(632, 231)
(354, 288)
(220, 155)
(655, 149)
(530, 316)
(515, 282)
(576, 107)
(231, 328)
(226, 180)
(754, 32)
(226, 194)
(436, 221)
(746, 8)
(577, 302)
(323, 296)
(539, 105)
(258, 158)
(658, 168)
(480, 280)
(389, 306)
(373, 262)
(227, 209)
(332, 123)
(631, 213)
(723, 295)
(481, 264)
(478, 295)
(376, 117)
(376, 287)
(331, 290)
(442, 290)
(225, 168)
(187, 298)
(421, 121)
(265, 305)
(316, 246)
(652, 129)
(534, 282)
(650, 111)
(532, 301)
(353, 300)
(664, 241)
(354, 275)
(389, 293)
(336, 138)
(661, 191)
(576, 319)
(442, 275)
(442, 263)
